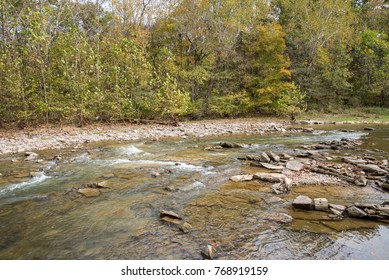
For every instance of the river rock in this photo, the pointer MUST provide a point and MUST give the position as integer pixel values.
(294, 165)
(185, 227)
(230, 145)
(373, 168)
(280, 217)
(355, 161)
(241, 178)
(279, 188)
(273, 156)
(273, 199)
(369, 128)
(270, 177)
(303, 202)
(321, 204)
(263, 157)
(89, 192)
(208, 252)
(355, 212)
(171, 220)
(337, 207)
(35, 174)
(271, 166)
(167, 213)
(288, 183)
(30, 156)
(361, 181)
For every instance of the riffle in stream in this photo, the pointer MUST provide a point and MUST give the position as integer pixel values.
(44, 217)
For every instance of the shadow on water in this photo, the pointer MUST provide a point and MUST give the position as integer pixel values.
(43, 217)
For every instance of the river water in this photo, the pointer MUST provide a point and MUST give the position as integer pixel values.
(42, 217)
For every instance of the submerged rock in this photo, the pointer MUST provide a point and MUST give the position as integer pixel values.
(280, 218)
(279, 188)
(361, 181)
(230, 145)
(303, 202)
(185, 227)
(89, 192)
(355, 161)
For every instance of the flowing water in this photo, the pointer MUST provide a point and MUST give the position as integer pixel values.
(42, 217)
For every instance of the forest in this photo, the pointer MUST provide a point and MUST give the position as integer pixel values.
(82, 61)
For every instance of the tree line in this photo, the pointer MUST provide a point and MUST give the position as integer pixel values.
(86, 60)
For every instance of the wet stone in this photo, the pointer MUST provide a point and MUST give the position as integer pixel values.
(361, 181)
(355, 212)
(303, 202)
(89, 192)
(273, 156)
(185, 227)
(263, 157)
(373, 168)
(271, 166)
(321, 204)
(241, 178)
(270, 177)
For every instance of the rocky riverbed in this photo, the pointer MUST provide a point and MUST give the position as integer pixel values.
(18, 141)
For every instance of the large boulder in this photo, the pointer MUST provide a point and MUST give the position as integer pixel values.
(303, 202)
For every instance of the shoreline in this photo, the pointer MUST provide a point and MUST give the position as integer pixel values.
(65, 137)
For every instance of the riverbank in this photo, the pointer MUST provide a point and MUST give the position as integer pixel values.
(64, 137)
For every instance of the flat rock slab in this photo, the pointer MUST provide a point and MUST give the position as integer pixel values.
(303, 202)
(171, 214)
(373, 168)
(89, 192)
(271, 166)
(279, 217)
(294, 165)
(270, 177)
(354, 160)
(241, 178)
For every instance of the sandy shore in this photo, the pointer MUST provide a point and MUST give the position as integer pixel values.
(61, 137)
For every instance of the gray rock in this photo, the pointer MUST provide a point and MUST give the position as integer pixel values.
(270, 177)
(155, 174)
(369, 128)
(303, 202)
(89, 192)
(30, 156)
(288, 183)
(279, 188)
(230, 145)
(373, 168)
(361, 181)
(241, 178)
(294, 165)
(273, 199)
(273, 156)
(263, 157)
(208, 252)
(185, 227)
(166, 213)
(279, 217)
(355, 212)
(271, 166)
(355, 161)
(321, 204)
(340, 208)
(336, 212)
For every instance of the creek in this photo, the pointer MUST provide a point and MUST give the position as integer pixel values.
(43, 217)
